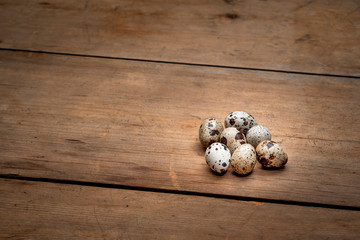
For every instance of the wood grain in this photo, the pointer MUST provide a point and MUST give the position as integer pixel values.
(306, 36)
(136, 123)
(35, 210)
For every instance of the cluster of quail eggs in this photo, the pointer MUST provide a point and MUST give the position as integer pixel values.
(240, 144)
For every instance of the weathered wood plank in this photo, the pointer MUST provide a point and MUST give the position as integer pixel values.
(136, 123)
(307, 36)
(35, 210)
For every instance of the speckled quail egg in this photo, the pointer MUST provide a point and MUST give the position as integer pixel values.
(232, 138)
(243, 160)
(210, 131)
(257, 134)
(271, 155)
(241, 120)
(218, 156)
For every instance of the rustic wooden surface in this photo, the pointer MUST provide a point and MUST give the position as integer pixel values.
(100, 104)
(39, 210)
(136, 123)
(305, 36)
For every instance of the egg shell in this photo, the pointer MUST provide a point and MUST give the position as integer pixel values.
(217, 157)
(232, 138)
(257, 134)
(271, 155)
(209, 131)
(243, 160)
(241, 120)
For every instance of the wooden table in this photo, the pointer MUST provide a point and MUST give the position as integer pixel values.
(101, 101)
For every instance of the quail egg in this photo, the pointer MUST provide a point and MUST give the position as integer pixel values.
(257, 134)
(217, 157)
(241, 120)
(232, 138)
(271, 155)
(210, 131)
(243, 160)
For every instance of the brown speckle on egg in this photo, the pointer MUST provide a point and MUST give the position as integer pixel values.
(245, 121)
(269, 144)
(239, 135)
(214, 132)
(223, 140)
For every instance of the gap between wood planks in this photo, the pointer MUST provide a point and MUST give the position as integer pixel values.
(179, 192)
(177, 63)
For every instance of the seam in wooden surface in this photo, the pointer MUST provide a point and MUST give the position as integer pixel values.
(179, 192)
(177, 63)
